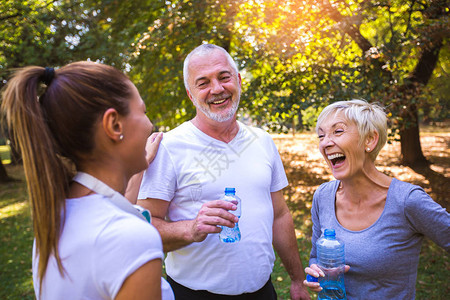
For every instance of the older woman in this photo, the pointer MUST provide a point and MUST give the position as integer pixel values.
(381, 220)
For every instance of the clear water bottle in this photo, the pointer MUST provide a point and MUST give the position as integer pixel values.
(331, 259)
(231, 235)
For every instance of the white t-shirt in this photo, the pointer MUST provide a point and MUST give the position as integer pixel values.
(192, 168)
(100, 246)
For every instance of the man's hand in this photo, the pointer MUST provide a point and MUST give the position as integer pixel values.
(211, 215)
(299, 291)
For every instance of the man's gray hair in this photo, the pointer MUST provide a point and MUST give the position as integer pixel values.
(202, 50)
(368, 117)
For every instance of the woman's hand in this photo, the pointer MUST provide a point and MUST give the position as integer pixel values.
(314, 271)
(132, 190)
(153, 145)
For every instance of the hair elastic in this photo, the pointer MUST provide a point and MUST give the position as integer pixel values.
(49, 74)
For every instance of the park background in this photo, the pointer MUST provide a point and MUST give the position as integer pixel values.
(295, 57)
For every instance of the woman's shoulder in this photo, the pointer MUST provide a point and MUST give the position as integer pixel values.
(400, 185)
(132, 235)
(130, 228)
(108, 222)
(327, 191)
(98, 222)
(411, 197)
(403, 190)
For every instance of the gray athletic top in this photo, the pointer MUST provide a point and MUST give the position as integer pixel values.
(383, 258)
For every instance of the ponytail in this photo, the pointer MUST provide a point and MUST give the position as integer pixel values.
(47, 176)
(52, 116)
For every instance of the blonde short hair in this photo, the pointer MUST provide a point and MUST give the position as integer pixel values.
(368, 117)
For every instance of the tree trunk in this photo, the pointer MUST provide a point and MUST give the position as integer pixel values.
(3, 175)
(300, 126)
(411, 149)
(16, 158)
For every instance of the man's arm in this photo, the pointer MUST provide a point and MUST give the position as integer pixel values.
(132, 191)
(176, 235)
(285, 244)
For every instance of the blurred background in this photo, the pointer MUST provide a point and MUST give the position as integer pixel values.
(295, 57)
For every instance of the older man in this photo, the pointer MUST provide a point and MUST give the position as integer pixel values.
(194, 164)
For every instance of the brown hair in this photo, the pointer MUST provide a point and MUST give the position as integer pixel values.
(55, 128)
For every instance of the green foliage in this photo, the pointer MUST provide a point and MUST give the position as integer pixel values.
(159, 34)
(432, 277)
(5, 155)
(341, 51)
(16, 240)
(437, 104)
(293, 55)
(52, 33)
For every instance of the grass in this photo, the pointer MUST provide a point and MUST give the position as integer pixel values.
(16, 239)
(5, 154)
(305, 171)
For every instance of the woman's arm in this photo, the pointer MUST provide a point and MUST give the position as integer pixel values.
(428, 217)
(144, 283)
(134, 183)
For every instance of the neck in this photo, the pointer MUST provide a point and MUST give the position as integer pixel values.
(222, 131)
(110, 175)
(365, 185)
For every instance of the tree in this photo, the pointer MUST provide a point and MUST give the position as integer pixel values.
(50, 33)
(382, 51)
(157, 35)
(295, 56)
(429, 38)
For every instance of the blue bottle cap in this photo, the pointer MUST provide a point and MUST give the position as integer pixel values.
(329, 233)
(310, 278)
(230, 190)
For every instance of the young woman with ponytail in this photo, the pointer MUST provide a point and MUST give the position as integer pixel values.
(83, 133)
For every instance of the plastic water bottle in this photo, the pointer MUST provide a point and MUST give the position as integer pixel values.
(231, 235)
(331, 259)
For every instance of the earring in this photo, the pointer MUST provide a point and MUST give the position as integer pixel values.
(121, 137)
(367, 149)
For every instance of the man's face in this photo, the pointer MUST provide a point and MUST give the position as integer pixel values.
(215, 88)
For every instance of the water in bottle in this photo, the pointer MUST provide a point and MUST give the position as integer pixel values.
(331, 259)
(231, 235)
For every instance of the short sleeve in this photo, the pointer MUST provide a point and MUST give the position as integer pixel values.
(428, 217)
(123, 246)
(279, 179)
(159, 180)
